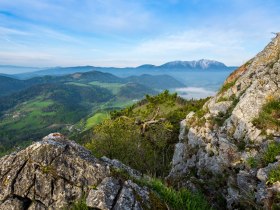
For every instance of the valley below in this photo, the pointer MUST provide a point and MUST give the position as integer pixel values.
(75, 99)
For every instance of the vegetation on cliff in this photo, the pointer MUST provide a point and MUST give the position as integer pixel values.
(143, 135)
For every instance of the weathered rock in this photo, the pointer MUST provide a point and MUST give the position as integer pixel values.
(55, 172)
(178, 153)
(103, 197)
(183, 129)
(220, 107)
(15, 203)
(262, 173)
(119, 165)
(220, 143)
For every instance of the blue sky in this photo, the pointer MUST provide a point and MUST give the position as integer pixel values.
(133, 32)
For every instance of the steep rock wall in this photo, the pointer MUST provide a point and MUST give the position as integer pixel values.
(221, 138)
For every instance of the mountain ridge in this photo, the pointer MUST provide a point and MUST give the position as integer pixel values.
(10, 85)
(195, 64)
(202, 64)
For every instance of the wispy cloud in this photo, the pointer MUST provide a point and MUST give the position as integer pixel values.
(128, 32)
(4, 31)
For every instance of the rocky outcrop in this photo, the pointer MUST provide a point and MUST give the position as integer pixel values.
(55, 173)
(220, 139)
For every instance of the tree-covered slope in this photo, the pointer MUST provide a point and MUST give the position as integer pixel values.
(57, 103)
(41, 109)
(147, 131)
(10, 85)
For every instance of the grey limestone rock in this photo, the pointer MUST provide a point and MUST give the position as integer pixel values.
(218, 145)
(56, 172)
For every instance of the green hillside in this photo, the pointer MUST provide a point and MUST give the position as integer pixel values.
(35, 112)
(30, 109)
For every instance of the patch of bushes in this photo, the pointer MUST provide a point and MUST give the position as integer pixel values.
(269, 116)
(241, 145)
(143, 136)
(274, 175)
(252, 162)
(221, 99)
(227, 86)
(270, 154)
(199, 119)
(178, 200)
(200, 113)
(79, 205)
(266, 157)
(221, 117)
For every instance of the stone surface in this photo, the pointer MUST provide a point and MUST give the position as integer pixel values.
(103, 197)
(218, 145)
(55, 172)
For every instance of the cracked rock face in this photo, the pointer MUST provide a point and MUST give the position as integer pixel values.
(214, 152)
(55, 172)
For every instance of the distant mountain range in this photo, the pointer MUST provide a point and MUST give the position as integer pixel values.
(187, 65)
(170, 67)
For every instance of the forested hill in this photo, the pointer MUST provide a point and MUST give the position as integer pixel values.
(10, 85)
(30, 109)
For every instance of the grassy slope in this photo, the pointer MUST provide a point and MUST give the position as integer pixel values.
(96, 119)
(119, 102)
(113, 87)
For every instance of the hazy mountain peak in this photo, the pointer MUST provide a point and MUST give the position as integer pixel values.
(195, 64)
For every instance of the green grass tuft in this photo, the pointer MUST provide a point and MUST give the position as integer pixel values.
(274, 175)
(252, 162)
(269, 117)
(176, 200)
(270, 154)
(182, 199)
(79, 205)
(227, 86)
(96, 119)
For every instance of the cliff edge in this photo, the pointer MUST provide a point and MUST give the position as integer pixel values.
(229, 148)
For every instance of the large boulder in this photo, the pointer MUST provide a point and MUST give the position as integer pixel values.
(55, 173)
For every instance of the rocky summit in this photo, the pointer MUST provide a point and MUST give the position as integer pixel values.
(54, 173)
(229, 148)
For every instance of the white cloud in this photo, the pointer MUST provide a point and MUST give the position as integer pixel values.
(130, 33)
(194, 92)
(87, 15)
(211, 43)
(4, 31)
